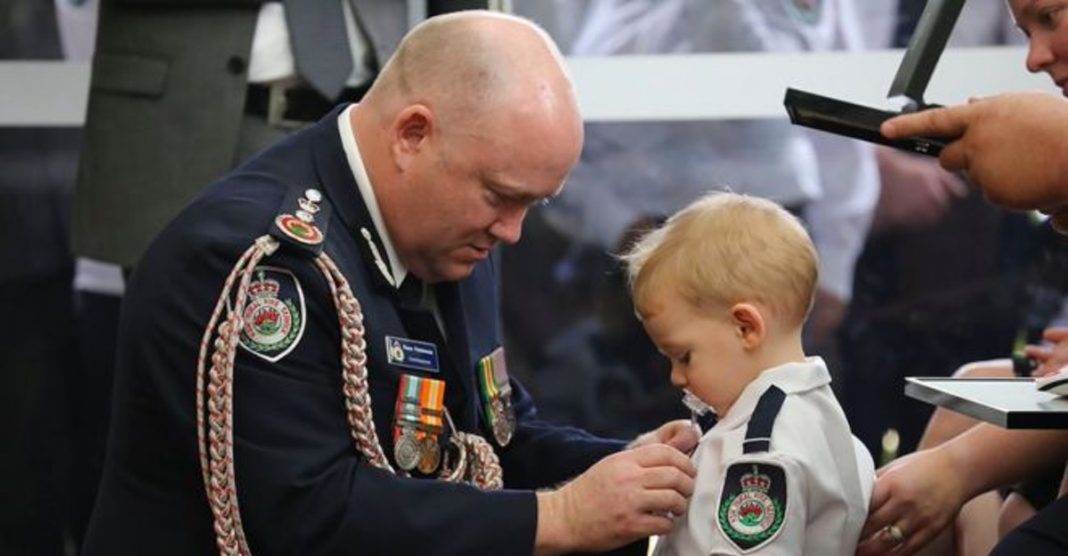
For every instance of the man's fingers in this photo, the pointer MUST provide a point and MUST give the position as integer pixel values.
(659, 454)
(653, 524)
(663, 502)
(668, 478)
(954, 156)
(935, 122)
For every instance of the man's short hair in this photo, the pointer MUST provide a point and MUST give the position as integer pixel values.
(727, 248)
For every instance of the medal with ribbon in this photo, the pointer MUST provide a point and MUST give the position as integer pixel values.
(497, 396)
(418, 423)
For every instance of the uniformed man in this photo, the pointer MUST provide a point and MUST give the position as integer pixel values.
(310, 357)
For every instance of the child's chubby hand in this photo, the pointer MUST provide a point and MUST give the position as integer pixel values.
(679, 434)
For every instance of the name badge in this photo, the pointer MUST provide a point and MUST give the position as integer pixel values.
(412, 354)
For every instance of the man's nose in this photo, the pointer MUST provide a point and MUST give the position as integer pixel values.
(508, 227)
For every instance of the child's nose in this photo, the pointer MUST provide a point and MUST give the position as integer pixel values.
(677, 378)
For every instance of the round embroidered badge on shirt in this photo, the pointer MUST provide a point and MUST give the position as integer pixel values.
(298, 229)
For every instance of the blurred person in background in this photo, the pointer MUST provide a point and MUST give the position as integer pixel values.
(597, 365)
(917, 311)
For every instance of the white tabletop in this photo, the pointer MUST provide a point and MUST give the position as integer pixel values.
(1012, 403)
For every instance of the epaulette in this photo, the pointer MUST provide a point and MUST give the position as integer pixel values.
(302, 221)
(758, 433)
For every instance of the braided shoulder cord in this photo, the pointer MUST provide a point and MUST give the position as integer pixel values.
(354, 365)
(217, 456)
(476, 462)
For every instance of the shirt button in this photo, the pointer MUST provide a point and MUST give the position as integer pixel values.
(236, 65)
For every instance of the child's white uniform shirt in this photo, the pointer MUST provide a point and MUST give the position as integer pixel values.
(804, 492)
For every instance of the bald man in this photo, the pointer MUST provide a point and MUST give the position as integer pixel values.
(402, 445)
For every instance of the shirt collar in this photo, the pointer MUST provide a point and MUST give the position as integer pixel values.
(367, 192)
(790, 377)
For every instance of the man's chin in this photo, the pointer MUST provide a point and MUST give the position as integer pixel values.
(453, 273)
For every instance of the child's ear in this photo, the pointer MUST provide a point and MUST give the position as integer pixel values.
(749, 325)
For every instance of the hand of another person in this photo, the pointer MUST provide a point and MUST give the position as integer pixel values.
(1014, 146)
(919, 495)
(678, 434)
(1050, 358)
(625, 497)
(914, 192)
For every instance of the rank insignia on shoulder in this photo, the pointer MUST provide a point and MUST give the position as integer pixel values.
(752, 504)
(274, 318)
(302, 221)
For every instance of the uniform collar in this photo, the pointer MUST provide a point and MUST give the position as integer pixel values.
(791, 378)
(367, 192)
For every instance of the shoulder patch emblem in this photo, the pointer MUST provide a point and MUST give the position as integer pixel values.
(752, 504)
(274, 318)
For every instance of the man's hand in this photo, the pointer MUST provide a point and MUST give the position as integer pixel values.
(919, 494)
(627, 496)
(679, 434)
(1014, 146)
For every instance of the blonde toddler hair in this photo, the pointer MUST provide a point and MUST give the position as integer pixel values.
(727, 248)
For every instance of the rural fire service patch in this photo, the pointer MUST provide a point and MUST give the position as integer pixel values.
(752, 504)
(273, 320)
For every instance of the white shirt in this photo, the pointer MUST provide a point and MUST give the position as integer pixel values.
(829, 474)
(367, 193)
(272, 55)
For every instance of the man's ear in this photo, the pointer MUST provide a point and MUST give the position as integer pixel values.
(411, 129)
(749, 325)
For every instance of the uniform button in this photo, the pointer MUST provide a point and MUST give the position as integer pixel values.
(236, 65)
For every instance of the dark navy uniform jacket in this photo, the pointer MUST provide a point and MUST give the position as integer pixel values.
(301, 485)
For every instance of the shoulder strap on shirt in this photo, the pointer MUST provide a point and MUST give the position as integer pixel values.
(758, 434)
(302, 221)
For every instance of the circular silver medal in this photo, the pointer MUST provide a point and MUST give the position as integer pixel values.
(503, 422)
(406, 450)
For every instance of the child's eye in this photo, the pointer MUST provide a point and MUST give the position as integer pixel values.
(683, 359)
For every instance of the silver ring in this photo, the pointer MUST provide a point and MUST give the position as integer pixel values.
(892, 533)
